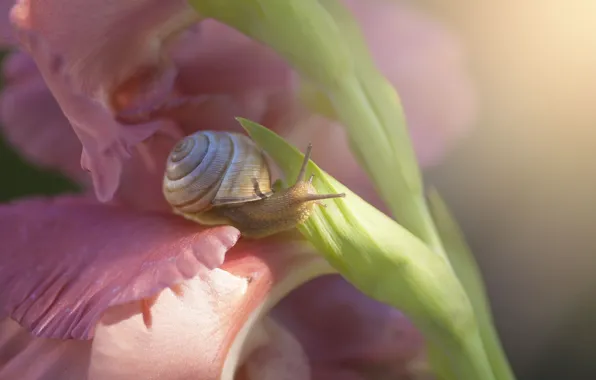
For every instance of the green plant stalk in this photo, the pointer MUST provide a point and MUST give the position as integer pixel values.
(323, 43)
(465, 267)
(411, 209)
(439, 362)
(387, 262)
(448, 238)
(343, 83)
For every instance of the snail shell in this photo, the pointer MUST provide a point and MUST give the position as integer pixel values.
(223, 178)
(207, 169)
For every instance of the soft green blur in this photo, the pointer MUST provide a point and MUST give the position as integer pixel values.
(25, 180)
(22, 179)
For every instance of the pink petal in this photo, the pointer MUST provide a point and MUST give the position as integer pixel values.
(338, 373)
(7, 38)
(103, 152)
(221, 60)
(24, 357)
(339, 326)
(66, 260)
(46, 138)
(99, 44)
(280, 357)
(83, 72)
(193, 334)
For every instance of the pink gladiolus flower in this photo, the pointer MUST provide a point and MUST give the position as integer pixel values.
(124, 289)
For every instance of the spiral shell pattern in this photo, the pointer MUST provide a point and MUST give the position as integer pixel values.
(210, 168)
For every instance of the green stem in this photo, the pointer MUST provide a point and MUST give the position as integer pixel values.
(313, 36)
(475, 364)
(387, 262)
(362, 99)
(409, 207)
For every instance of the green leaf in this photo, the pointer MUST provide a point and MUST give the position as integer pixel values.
(386, 262)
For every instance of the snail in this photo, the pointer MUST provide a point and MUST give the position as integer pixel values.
(223, 178)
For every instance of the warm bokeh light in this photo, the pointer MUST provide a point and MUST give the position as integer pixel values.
(524, 184)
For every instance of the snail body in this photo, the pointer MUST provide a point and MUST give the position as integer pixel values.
(223, 178)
